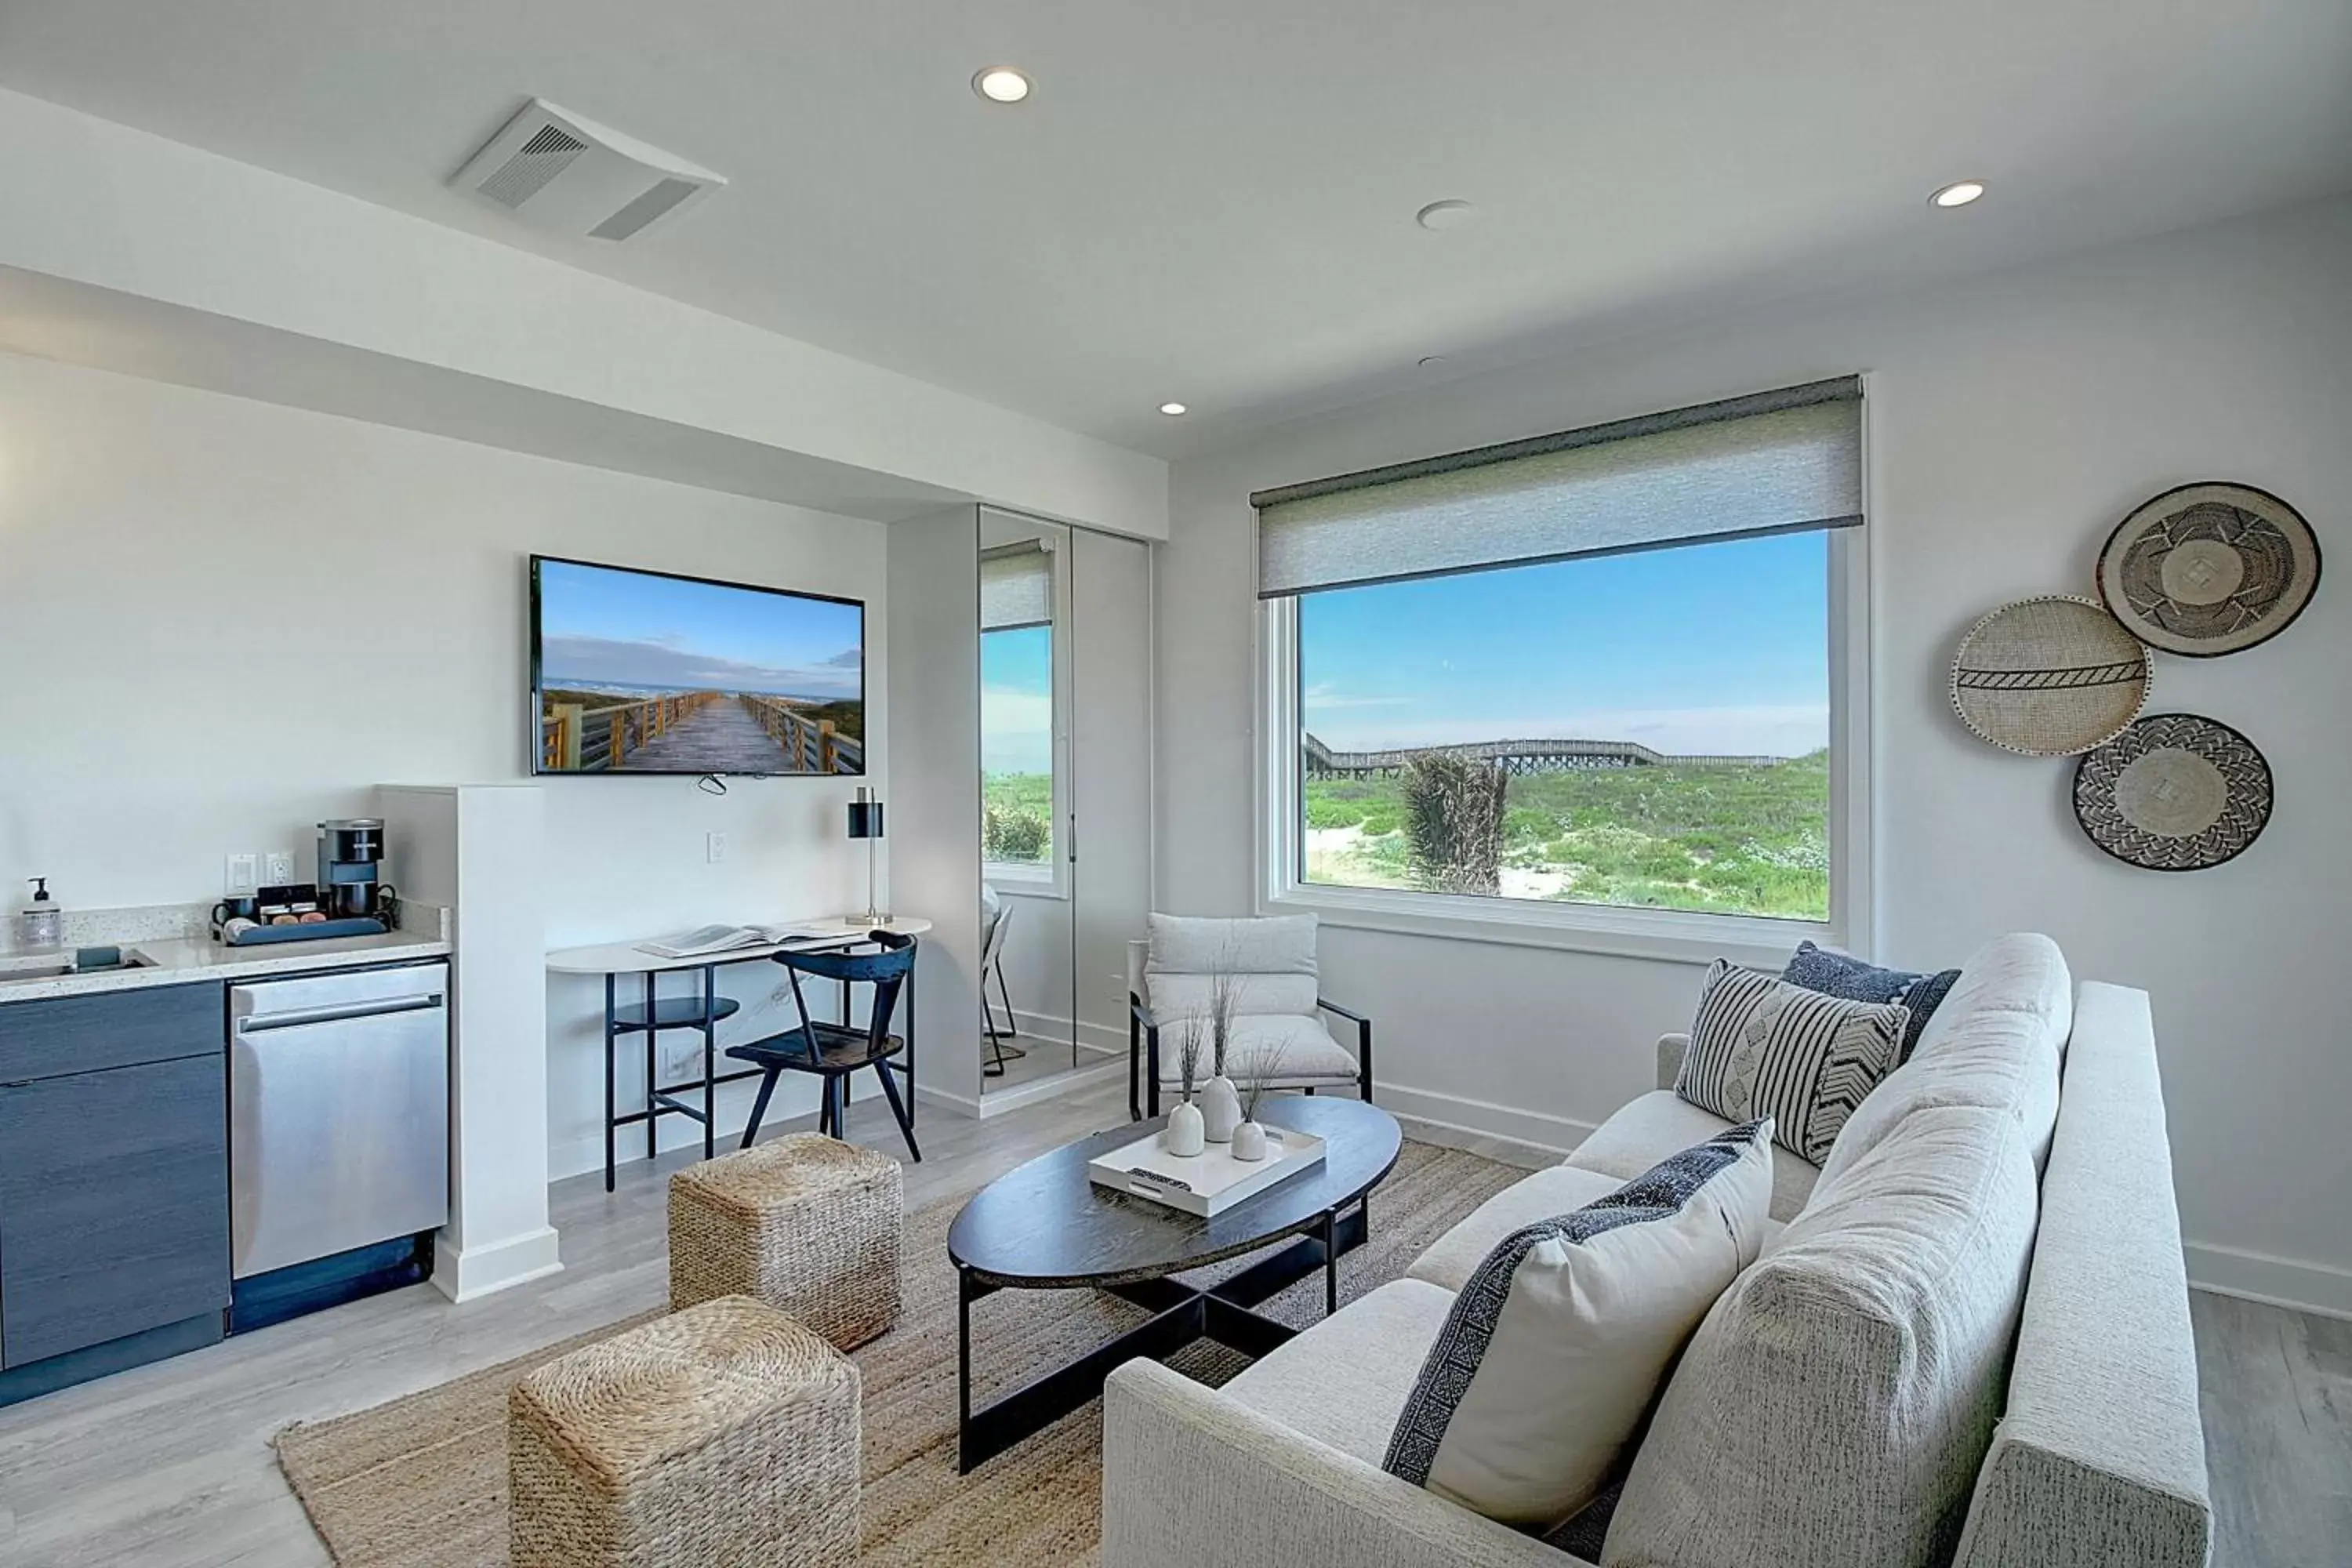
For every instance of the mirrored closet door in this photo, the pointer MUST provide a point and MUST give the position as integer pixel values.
(1066, 793)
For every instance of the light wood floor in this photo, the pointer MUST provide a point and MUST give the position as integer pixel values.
(170, 1466)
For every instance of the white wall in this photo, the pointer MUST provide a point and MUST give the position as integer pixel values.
(221, 620)
(2015, 418)
(933, 823)
(111, 209)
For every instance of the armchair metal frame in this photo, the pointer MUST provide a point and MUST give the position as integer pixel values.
(1143, 1054)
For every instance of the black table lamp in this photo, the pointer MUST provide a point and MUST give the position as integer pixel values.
(866, 822)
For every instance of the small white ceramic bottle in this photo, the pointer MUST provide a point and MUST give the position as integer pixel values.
(1183, 1136)
(1221, 1110)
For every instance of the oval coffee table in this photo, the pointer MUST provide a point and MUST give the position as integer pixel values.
(1045, 1227)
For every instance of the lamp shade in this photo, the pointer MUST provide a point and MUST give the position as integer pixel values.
(864, 817)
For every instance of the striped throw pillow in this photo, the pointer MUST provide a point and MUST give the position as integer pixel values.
(1761, 1047)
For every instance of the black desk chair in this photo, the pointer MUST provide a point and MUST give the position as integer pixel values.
(833, 1051)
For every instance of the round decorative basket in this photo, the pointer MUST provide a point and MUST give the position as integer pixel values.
(2050, 677)
(2210, 569)
(2174, 792)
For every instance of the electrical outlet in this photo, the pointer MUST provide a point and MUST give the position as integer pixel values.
(277, 867)
(239, 877)
(714, 847)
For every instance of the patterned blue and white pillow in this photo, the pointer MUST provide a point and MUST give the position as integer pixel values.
(1835, 974)
(1553, 1352)
(1761, 1047)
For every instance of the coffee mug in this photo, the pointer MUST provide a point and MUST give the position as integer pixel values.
(239, 908)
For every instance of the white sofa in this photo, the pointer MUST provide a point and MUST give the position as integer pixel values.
(1966, 1340)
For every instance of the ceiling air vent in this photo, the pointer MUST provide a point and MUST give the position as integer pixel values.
(568, 176)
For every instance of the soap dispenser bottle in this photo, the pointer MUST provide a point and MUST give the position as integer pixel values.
(40, 924)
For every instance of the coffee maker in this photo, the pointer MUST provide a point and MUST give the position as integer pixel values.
(351, 863)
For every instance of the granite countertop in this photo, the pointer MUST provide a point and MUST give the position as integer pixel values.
(178, 960)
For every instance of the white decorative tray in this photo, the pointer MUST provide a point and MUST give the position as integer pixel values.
(1206, 1183)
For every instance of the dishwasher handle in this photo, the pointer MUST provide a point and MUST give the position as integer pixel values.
(299, 1018)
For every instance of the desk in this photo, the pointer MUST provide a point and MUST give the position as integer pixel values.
(614, 959)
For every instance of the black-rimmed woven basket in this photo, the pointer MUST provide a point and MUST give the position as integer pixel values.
(2175, 791)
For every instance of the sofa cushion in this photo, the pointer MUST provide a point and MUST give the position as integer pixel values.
(1554, 1350)
(1563, 1189)
(1343, 1381)
(1271, 960)
(1998, 1040)
(1646, 1129)
(1835, 974)
(1307, 1053)
(1835, 1407)
(1761, 1047)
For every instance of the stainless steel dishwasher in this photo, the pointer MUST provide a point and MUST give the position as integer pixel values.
(339, 1113)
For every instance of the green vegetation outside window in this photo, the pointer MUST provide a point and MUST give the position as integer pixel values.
(1646, 730)
(1016, 746)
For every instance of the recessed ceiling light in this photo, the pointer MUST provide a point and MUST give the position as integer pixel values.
(1000, 84)
(1958, 194)
(1171, 409)
(1446, 214)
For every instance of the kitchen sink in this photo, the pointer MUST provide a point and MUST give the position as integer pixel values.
(56, 969)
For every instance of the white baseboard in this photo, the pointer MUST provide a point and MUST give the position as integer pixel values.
(997, 1102)
(1055, 1029)
(1459, 1113)
(472, 1272)
(940, 1099)
(2274, 1281)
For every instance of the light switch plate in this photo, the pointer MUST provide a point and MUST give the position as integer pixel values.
(277, 867)
(714, 846)
(241, 876)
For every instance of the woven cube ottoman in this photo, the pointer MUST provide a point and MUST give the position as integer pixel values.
(723, 1436)
(806, 1223)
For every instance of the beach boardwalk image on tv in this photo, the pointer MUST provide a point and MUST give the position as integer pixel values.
(638, 672)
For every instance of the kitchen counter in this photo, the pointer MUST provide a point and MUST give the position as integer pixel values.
(175, 962)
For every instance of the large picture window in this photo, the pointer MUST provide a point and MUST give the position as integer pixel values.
(1605, 678)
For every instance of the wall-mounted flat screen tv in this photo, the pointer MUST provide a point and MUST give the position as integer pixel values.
(642, 672)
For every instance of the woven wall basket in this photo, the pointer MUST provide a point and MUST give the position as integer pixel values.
(2051, 676)
(2174, 792)
(2210, 569)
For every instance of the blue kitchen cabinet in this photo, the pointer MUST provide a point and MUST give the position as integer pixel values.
(115, 1204)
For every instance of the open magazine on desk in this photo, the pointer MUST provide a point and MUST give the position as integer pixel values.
(706, 941)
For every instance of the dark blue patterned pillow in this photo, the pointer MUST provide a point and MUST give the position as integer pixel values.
(1844, 976)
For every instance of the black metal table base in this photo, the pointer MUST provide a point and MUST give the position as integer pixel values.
(667, 1098)
(1181, 1315)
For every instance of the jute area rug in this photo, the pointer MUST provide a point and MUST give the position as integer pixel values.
(421, 1482)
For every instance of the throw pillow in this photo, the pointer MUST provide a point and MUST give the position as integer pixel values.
(1835, 973)
(1555, 1349)
(1761, 1047)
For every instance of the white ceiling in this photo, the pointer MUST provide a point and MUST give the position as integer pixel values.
(1212, 200)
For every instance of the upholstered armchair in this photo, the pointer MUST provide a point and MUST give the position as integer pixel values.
(1278, 1006)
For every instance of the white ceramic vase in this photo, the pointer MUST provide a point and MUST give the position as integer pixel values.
(1249, 1141)
(1183, 1135)
(1221, 1110)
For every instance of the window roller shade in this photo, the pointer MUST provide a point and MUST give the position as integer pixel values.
(1016, 587)
(1773, 463)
